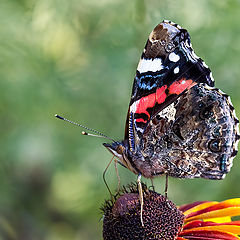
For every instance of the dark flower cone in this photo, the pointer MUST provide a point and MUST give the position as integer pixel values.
(161, 217)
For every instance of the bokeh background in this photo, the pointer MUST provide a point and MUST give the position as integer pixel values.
(78, 58)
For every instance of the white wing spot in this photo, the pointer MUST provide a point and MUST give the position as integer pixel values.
(194, 55)
(146, 65)
(176, 70)
(211, 76)
(204, 64)
(169, 112)
(173, 57)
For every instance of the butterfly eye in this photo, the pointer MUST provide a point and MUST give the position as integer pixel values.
(215, 145)
(120, 149)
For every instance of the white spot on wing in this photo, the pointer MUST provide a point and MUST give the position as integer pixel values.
(211, 76)
(139, 129)
(172, 23)
(237, 130)
(146, 65)
(204, 64)
(176, 70)
(169, 112)
(194, 54)
(229, 100)
(133, 107)
(235, 145)
(173, 57)
(223, 176)
(166, 21)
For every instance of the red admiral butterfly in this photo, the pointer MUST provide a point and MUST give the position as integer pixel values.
(177, 124)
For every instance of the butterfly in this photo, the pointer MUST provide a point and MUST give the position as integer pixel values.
(177, 123)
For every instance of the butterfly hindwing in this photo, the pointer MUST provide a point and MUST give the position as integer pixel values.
(193, 140)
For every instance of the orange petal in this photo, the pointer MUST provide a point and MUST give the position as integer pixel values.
(208, 235)
(186, 211)
(225, 204)
(224, 212)
(199, 224)
(186, 207)
(195, 224)
(223, 228)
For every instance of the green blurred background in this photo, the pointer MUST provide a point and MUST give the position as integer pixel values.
(78, 58)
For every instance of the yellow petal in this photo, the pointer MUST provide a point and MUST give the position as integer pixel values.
(199, 207)
(223, 228)
(219, 220)
(208, 234)
(224, 212)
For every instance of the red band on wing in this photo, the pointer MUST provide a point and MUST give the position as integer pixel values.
(179, 86)
(141, 120)
(161, 95)
(150, 100)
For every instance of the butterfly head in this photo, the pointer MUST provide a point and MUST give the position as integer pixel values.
(116, 148)
(122, 152)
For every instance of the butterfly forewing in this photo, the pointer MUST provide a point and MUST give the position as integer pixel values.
(168, 66)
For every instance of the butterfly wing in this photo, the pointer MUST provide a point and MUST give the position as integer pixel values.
(196, 136)
(168, 66)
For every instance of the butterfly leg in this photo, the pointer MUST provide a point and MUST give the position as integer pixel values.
(140, 196)
(104, 177)
(153, 188)
(118, 177)
(166, 186)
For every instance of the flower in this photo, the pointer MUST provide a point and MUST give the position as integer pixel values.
(164, 220)
(211, 220)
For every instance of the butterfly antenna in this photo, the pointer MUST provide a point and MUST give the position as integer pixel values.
(97, 133)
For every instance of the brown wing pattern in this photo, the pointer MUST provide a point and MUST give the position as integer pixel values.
(196, 136)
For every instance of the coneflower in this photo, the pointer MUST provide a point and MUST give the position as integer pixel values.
(164, 220)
